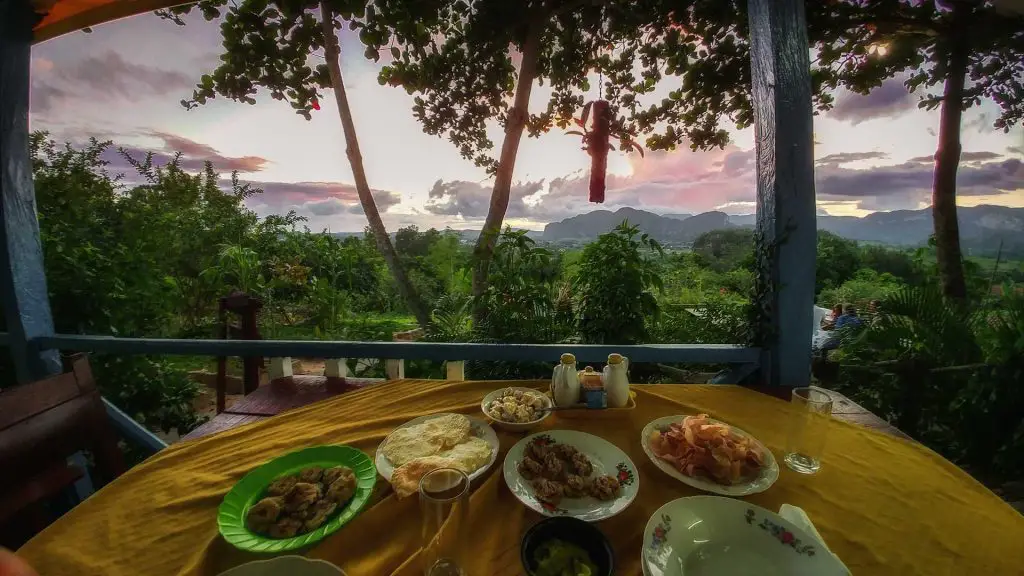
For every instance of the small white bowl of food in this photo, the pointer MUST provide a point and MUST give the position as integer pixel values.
(516, 409)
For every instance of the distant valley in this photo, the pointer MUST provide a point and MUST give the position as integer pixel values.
(981, 227)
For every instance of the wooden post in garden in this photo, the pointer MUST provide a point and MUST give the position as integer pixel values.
(786, 230)
(26, 305)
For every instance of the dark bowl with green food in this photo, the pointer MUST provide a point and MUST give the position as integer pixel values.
(563, 546)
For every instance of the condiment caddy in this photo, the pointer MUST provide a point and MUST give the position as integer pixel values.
(588, 393)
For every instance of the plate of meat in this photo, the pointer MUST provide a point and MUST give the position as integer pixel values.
(569, 473)
(710, 455)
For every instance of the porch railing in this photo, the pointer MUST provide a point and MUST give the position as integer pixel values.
(745, 359)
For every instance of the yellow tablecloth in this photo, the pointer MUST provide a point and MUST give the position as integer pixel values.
(884, 505)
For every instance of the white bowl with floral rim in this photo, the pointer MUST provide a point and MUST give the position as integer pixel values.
(606, 458)
(716, 536)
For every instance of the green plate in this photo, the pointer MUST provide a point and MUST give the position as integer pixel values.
(249, 490)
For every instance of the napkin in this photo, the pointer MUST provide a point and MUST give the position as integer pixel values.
(797, 516)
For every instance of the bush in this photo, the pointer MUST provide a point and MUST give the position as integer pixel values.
(149, 390)
(617, 274)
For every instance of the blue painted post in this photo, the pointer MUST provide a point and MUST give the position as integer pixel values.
(786, 228)
(26, 305)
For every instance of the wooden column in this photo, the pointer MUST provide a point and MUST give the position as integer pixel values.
(26, 305)
(786, 229)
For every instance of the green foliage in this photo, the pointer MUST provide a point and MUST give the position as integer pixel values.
(617, 274)
(865, 285)
(520, 303)
(717, 320)
(150, 390)
(725, 250)
(457, 58)
(837, 261)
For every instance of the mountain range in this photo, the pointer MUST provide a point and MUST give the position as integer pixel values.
(979, 226)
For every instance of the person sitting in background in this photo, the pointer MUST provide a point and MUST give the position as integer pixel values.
(829, 322)
(849, 319)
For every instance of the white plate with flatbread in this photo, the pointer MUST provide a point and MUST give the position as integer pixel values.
(411, 443)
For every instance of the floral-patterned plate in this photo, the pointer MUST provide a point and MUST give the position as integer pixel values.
(607, 460)
(765, 478)
(712, 535)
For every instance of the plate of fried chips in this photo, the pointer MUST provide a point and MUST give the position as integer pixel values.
(710, 455)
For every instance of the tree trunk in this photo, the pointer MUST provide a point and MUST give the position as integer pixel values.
(484, 249)
(332, 54)
(947, 159)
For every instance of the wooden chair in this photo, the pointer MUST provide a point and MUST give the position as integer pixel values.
(42, 424)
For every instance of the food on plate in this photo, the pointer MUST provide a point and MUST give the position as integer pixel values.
(264, 513)
(342, 489)
(286, 527)
(318, 514)
(516, 406)
(605, 488)
(581, 465)
(557, 471)
(699, 447)
(440, 444)
(332, 474)
(282, 486)
(548, 490)
(556, 557)
(576, 486)
(529, 468)
(301, 502)
(426, 438)
(311, 474)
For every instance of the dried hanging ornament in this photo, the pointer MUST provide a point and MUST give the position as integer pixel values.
(597, 143)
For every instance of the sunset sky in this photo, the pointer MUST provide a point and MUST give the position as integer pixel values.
(873, 152)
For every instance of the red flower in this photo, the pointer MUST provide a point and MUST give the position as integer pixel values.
(659, 532)
(316, 104)
(623, 476)
(787, 537)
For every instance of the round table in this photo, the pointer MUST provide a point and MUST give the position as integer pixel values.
(885, 505)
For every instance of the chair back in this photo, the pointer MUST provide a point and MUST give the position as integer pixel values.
(45, 422)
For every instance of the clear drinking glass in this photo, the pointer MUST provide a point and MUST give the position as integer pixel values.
(444, 502)
(808, 429)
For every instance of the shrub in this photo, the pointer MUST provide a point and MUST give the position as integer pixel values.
(617, 274)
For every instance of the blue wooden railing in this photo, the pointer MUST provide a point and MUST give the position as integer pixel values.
(745, 359)
(438, 351)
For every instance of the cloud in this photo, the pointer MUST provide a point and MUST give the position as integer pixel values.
(194, 156)
(847, 157)
(327, 207)
(105, 76)
(910, 184)
(1015, 150)
(318, 198)
(888, 100)
(472, 199)
(979, 156)
(964, 157)
(197, 152)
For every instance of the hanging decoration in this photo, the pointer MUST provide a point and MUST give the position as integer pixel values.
(597, 143)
